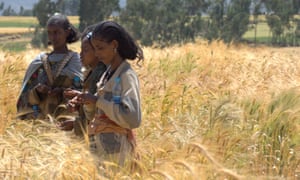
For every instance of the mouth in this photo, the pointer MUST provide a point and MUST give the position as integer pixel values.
(53, 42)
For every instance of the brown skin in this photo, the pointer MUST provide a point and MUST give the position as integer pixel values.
(67, 125)
(87, 54)
(106, 52)
(88, 58)
(44, 89)
(58, 38)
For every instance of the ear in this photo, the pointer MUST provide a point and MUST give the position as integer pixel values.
(68, 32)
(115, 44)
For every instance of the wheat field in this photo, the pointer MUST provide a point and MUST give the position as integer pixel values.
(210, 111)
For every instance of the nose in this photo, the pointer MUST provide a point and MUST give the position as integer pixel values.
(52, 39)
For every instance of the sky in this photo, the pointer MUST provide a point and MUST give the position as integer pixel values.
(28, 4)
(16, 4)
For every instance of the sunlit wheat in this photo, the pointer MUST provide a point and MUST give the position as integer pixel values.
(210, 111)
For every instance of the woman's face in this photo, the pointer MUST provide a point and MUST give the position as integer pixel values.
(87, 54)
(105, 51)
(57, 36)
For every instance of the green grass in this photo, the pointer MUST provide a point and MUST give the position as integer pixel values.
(22, 21)
(263, 34)
(16, 21)
(263, 30)
(259, 39)
(15, 46)
(17, 24)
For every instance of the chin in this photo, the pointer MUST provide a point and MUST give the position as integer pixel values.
(106, 63)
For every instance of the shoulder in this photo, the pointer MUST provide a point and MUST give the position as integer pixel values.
(124, 67)
(38, 58)
(127, 73)
(74, 55)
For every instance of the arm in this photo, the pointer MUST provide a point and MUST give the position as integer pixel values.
(128, 113)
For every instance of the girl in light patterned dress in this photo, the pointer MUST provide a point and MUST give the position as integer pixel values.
(111, 130)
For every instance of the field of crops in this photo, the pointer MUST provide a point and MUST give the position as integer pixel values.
(25, 22)
(16, 32)
(210, 111)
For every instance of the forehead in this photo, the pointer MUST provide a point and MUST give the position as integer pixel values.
(85, 42)
(98, 41)
(52, 27)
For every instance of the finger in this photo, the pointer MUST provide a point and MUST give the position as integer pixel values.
(59, 125)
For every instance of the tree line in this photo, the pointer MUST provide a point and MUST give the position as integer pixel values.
(165, 22)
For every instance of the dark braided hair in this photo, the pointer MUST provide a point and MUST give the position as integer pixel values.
(62, 21)
(110, 30)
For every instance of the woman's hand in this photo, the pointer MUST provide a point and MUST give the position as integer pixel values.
(42, 88)
(71, 93)
(55, 92)
(73, 104)
(65, 125)
(87, 98)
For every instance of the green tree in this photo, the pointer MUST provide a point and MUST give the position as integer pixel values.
(228, 21)
(256, 12)
(133, 17)
(1, 6)
(216, 20)
(93, 11)
(279, 18)
(43, 10)
(70, 7)
(297, 31)
(25, 12)
(9, 12)
(21, 10)
(161, 22)
(296, 6)
(236, 21)
(277, 27)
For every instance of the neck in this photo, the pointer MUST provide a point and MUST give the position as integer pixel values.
(116, 63)
(61, 50)
(94, 65)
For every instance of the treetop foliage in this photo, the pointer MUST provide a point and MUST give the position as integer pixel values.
(164, 22)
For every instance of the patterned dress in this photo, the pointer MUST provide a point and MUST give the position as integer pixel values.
(87, 112)
(32, 104)
(111, 130)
